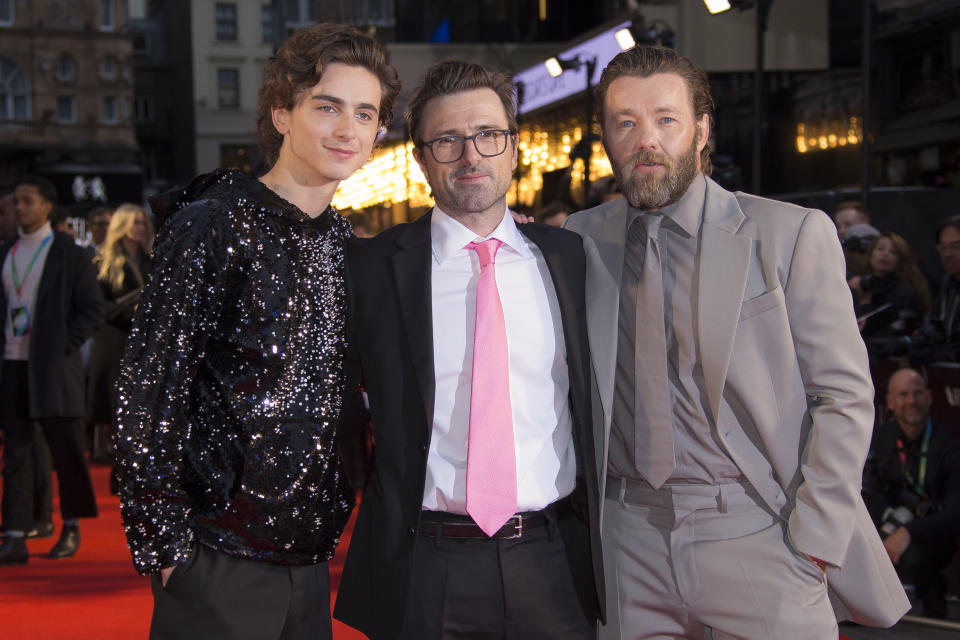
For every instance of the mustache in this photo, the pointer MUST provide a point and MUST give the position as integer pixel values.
(464, 171)
(641, 157)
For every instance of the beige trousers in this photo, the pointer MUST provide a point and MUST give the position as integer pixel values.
(705, 561)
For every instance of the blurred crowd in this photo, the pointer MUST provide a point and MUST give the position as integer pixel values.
(70, 316)
(909, 322)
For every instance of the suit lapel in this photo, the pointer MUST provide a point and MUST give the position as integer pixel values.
(604, 242)
(558, 270)
(51, 269)
(412, 275)
(723, 263)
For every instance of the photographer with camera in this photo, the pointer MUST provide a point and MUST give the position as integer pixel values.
(938, 339)
(911, 486)
(892, 297)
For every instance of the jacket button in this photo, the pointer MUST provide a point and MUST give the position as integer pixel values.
(423, 447)
(411, 532)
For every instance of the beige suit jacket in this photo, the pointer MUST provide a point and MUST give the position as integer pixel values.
(778, 340)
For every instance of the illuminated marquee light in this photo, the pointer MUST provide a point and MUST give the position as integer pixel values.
(543, 151)
(391, 175)
(828, 135)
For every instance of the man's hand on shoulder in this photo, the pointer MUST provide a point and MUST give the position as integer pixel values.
(519, 218)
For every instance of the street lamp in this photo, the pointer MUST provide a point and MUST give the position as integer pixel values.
(583, 149)
(763, 11)
(717, 6)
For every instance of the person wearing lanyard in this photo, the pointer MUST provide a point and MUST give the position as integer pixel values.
(912, 489)
(50, 304)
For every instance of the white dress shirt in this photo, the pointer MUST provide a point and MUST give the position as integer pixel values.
(539, 379)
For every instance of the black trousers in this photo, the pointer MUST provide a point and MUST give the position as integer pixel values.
(42, 477)
(925, 565)
(22, 457)
(218, 597)
(482, 589)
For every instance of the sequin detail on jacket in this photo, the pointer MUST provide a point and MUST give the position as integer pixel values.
(233, 381)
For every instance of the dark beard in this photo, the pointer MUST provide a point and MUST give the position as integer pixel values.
(650, 192)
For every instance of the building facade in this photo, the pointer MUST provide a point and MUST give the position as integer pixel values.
(66, 98)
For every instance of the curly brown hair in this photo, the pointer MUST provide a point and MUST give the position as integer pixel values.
(645, 61)
(456, 76)
(298, 65)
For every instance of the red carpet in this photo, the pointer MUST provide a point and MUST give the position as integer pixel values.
(96, 595)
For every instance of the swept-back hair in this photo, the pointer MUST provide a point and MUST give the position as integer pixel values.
(456, 76)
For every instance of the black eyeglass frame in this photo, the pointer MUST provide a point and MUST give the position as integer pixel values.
(463, 144)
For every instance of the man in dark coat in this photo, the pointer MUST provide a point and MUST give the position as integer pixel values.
(50, 305)
(912, 489)
(472, 337)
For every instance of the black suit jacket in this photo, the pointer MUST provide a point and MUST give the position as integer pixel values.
(68, 310)
(884, 480)
(390, 278)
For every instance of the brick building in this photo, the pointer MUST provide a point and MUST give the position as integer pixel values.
(66, 89)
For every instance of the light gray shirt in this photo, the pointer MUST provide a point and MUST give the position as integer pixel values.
(700, 456)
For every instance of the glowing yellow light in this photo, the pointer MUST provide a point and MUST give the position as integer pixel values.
(717, 6)
(553, 67)
(625, 39)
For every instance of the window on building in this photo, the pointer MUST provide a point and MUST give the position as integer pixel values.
(299, 12)
(228, 88)
(110, 110)
(14, 92)
(266, 23)
(6, 13)
(108, 17)
(65, 69)
(108, 68)
(66, 109)
(226, 19)
(141, 44)
(143, 109)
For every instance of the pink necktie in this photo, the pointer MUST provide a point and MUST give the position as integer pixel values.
(491, 461)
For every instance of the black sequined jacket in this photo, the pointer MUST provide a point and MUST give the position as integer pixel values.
(233, 380)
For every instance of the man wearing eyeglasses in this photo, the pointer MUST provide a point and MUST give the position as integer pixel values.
(481, 517)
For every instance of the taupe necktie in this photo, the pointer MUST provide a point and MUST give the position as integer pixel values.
(652, 413)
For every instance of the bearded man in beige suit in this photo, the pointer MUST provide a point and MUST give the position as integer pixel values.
(733, 402)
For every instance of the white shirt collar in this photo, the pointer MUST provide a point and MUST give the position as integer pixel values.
(449, 237)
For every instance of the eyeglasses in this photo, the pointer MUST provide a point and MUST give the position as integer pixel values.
(488, 143)
(949, 247)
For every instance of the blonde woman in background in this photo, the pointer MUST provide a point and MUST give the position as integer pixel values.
(122, 267)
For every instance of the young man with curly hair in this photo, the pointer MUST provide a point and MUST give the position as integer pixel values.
(234, 374)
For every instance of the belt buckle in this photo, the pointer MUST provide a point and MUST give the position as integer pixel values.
(518, 527)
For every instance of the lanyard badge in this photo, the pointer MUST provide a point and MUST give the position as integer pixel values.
(20, 321)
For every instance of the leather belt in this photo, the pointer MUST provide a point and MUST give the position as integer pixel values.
(440, 524)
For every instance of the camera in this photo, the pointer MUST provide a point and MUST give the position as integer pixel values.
(857, 244)
(911, 506)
